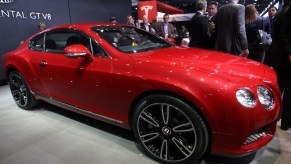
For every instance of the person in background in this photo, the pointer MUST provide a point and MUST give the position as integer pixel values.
(253, 23)
(183, 39)
(41, 26)
(155, 24)
(271, 13)
(198, 31)
(166, 29)
(212, 10)
(280, 58)
(131, 22)
(146, 25)
(112, 20)
(230, 29)
(183, 32)
(174, 23)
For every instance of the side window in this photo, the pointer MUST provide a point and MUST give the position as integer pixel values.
(36, 43)
(57, 41)
(97, 50)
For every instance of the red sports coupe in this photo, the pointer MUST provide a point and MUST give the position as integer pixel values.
(179, 102)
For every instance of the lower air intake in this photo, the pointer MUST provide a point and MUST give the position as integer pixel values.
(254, 137)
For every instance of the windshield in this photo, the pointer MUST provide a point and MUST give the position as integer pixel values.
(130, 39)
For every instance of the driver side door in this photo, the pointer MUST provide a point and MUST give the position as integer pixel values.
(71, 80)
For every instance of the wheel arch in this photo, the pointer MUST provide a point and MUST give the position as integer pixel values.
(25, 68)
(169, 93)
(8, 70)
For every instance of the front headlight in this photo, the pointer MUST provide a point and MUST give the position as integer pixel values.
(246, 98)
(266, 97)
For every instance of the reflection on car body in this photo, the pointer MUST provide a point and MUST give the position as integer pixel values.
(179, 102)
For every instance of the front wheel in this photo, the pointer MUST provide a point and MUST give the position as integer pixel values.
(20, 91)
(169, 130)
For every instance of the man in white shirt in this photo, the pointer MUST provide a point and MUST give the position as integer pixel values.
(146, 25)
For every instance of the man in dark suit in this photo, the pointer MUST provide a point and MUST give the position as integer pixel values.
(199, 32)
(212, 10)
(271, 14)
(230, 29)
(165, 29)
(130, 21)
(280, 59)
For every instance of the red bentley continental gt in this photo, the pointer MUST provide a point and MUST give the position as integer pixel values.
(179, 102)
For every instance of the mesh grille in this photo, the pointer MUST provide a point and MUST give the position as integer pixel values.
(254, 137)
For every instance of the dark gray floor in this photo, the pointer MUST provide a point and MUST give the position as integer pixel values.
(50, 134)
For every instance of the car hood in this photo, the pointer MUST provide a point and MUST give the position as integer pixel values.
(226, 66)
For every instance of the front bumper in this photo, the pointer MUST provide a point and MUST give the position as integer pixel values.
(256, 140)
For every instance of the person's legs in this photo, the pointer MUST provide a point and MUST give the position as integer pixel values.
(267, 57)
(257, 54)
(286, 113)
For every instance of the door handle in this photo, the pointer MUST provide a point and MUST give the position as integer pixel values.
(43, 63)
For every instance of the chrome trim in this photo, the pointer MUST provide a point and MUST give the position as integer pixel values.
(267, 81)
(77, 109)
(77, 54)
(83, 111)
(254, 137)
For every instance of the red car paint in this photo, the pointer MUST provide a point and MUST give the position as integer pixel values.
(110, 86)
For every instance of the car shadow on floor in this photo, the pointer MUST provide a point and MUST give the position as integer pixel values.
(128, 135)
(212, 159)
(106, 127)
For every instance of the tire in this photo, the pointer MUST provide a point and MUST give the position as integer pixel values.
(179, 135)
(20, 91)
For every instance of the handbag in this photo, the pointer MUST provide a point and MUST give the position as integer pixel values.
(263, 37)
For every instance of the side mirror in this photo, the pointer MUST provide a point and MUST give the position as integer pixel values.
(78, 51)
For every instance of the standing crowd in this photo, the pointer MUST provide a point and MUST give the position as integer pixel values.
(238, 30)
(163, 29)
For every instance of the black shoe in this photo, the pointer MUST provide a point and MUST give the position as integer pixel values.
(285, 127)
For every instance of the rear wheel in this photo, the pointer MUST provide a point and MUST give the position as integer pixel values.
(20, 91)
(169, 130)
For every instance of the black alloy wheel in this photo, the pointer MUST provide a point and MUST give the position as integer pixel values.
(169, 130)
(20, 91)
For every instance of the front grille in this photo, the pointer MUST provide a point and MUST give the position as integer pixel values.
(254, 137)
